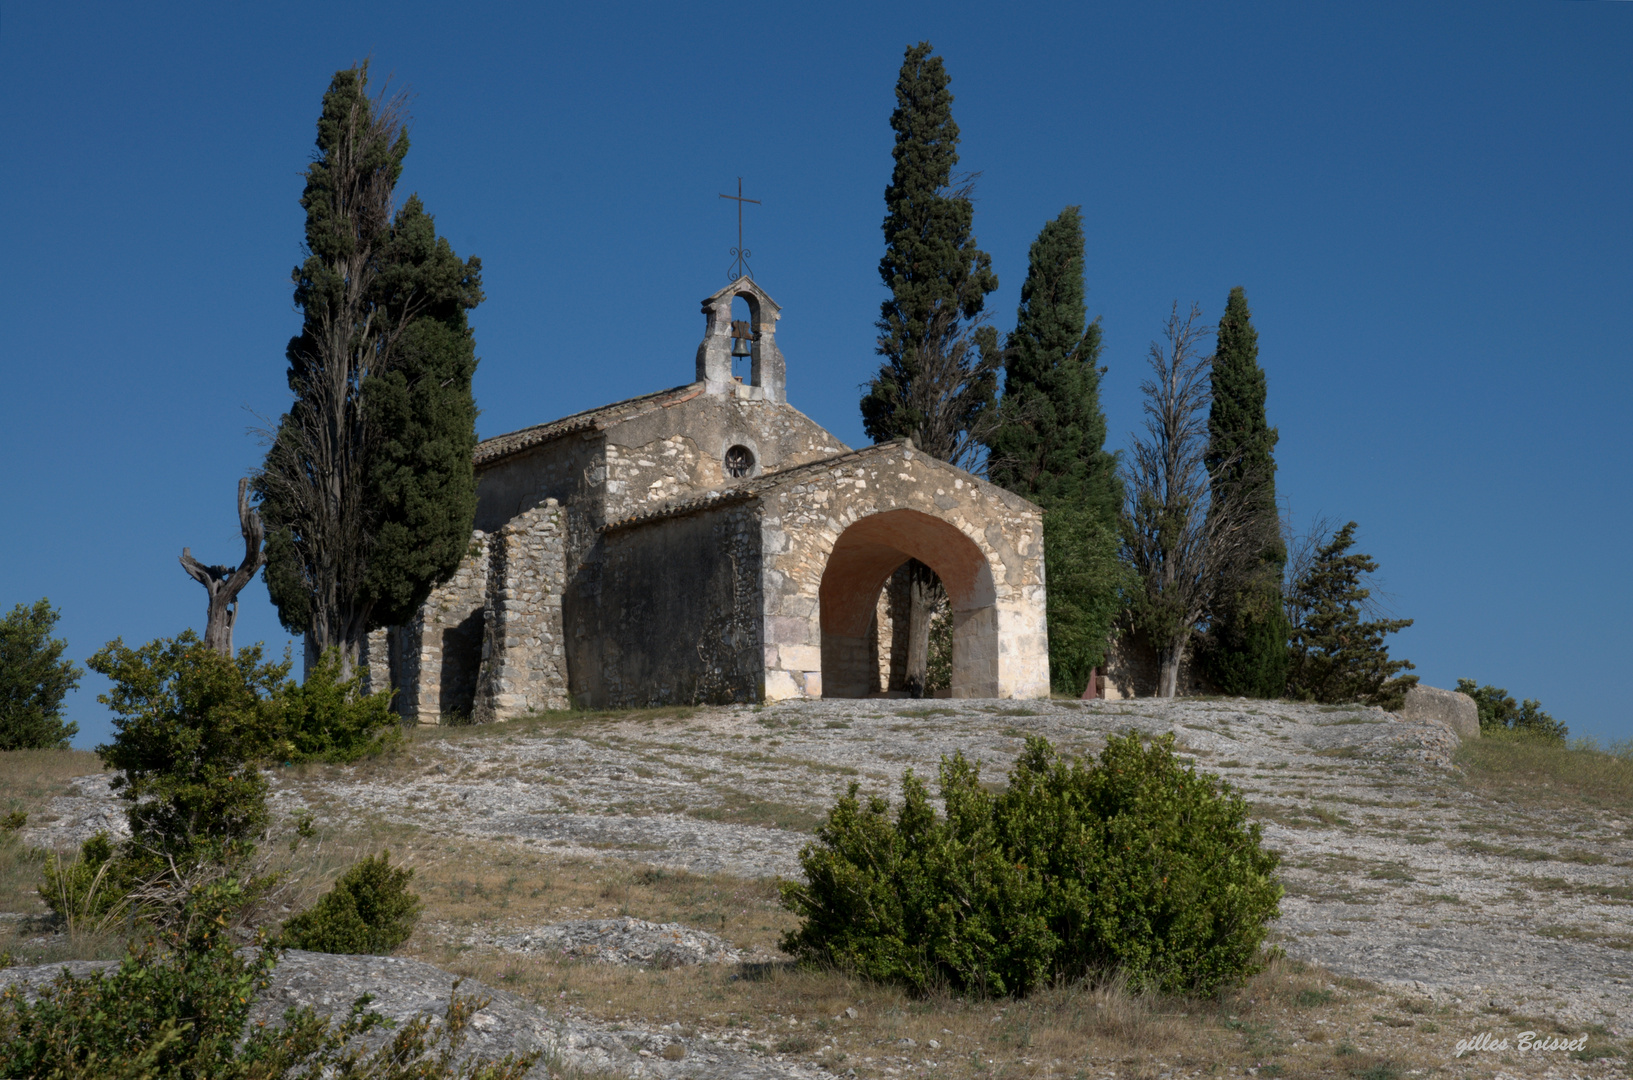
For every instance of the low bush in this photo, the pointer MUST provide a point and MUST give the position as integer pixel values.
(191, 728)
(88, 892)
(1136, 864)
(179, 1013)
(330, 718)
(370, 910)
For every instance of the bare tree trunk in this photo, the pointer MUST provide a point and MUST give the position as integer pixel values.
(1169, 657)
(223, 583)
(923, 591)
(1187, 533)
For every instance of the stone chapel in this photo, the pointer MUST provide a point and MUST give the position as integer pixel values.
(711, 543)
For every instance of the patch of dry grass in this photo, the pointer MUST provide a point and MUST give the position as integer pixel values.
(29, 780)
(1290, 1020)
(1533, 772)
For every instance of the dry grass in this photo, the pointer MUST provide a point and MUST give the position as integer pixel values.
(29, 780)
(1290, 1020)
(1536, 773)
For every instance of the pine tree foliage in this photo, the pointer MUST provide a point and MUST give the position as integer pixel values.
(940, 369)
(368, 491)
(1499, 712)
(1247, 651)
(1335, 655)
(1049, 445)
(34, 680)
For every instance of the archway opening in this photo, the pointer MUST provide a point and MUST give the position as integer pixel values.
(744, 316)
(863, 560)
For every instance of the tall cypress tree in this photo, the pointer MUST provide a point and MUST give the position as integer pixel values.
(939, 374)
(1247, 640)
(1049, 445)
(368, 491)
(940, 370)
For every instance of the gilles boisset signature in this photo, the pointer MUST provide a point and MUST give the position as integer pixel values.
(1525, 1040)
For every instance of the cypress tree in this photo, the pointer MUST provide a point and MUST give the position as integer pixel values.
(1246, 651)
(938, 374)
(368, 491)
(1049, 445)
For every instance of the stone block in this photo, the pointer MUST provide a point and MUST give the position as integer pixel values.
(780, 685)
(1457, 711)
(801, 657)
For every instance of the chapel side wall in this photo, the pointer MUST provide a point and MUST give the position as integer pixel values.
(567, 469)
(674, 615)
(803, 521)
(524, 662)
(440, 650)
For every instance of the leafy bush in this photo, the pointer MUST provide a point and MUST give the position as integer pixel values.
(1136, 863)
(190, 729)
(370, 910)
(329, 718)
(33, 680)
(1498, 712)
(180, 1014)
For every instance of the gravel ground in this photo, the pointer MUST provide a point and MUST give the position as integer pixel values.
(1394, 872)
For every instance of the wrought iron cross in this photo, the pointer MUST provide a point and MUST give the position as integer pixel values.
(740, 254)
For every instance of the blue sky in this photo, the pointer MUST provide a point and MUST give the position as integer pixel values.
(1428, 205)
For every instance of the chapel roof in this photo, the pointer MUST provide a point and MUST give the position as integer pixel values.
(503, 446)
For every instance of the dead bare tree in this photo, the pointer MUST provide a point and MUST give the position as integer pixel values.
(1185, 536)
(223, 583)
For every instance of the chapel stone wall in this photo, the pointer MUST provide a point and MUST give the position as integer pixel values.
(668, 612)
(524, 661)
(441, 649)
(678, 451)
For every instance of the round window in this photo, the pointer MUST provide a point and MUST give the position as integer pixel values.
(739, 461)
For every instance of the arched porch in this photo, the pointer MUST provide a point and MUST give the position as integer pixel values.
(863, 558)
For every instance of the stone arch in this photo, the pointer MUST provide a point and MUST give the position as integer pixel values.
(864, 555)
(768, 371)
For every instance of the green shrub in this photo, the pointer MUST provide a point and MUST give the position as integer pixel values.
(328, 718)
(1498, 712)
(190, 730)
(1136, 863)
(370, 910)
(33, 680)
(89, 893)
(180, 1014)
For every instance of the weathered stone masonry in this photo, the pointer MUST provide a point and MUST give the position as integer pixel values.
(711, 543)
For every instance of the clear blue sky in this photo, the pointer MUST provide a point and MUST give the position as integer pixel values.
(1430, 206)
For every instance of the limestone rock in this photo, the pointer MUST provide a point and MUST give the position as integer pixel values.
(1457, 711)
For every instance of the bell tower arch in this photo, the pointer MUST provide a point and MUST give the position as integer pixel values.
(768, 375)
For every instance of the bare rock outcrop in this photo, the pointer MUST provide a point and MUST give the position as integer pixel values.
(1457, 711)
